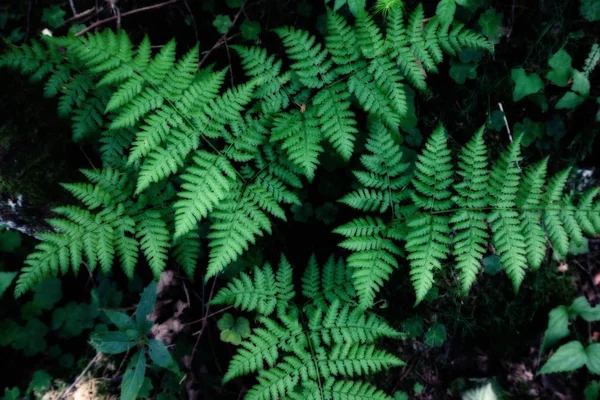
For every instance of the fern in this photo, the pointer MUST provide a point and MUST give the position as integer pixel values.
(370, 239)
(427, 242)
(513, 210)
(469, 223)
(310, 351)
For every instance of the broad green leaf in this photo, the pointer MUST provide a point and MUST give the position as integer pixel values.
(413, 327)
(242, 326)
(525, 84)
(561, 71)
(145, 308)
(48, 293)
(400, 396)
(471, 5)
(460, 71)
(592, 391)
(250, 30)
(159, 354)
(134, 376)
(418, 387)
(40, 381)
(581, 83)
(491, 25)
(436, 335)
(120, 319)
(9, 331)
(6, 279)
(531, 131)
(146, 388)
(54, 16)
(225, 322)
(581, 308)
(30, 339)
(491, 265)
(222, 23)
(74, 318)
(356, 6)
(112, 342)
(445, 11)
(11, 394)
(485, 392)
(31, 310)
(231, 336)
(590, 10)
(558, 326)
(568, 357)
(569, 101)
(495, 121)
(593, 358)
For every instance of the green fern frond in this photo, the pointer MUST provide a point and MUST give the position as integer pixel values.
(153, 235)
(553, 223)
(398, 41)
(260, 293)
(428, 239)
(205, 185)
(337, 120)
(471, 236)
(312, 64)
(187, 251)
(306, 351)
(528, 200)
(301, 138)
(341, 43)
(504, 219)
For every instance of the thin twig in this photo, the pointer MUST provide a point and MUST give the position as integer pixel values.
(223, 38)
(83, 14)
(201, 331)
(86, 369)
(505, 121)
(72, 4)
(125, 14)
(210, 315)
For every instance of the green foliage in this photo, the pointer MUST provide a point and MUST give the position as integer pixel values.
(525, 84)
(233, 330)
(503, 203)
(590, 9)
(133, 333)
(572, 355)
(173, 138)
(435, 335)
(307, 351)
(491, 25)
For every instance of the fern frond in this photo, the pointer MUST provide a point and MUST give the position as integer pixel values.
(505, 224)
(187, 251)
(307, 354)
(301, 138)
(341, 43)
(153, 235)
(470, 239)
(552, 216)
(312, 64)
(399, 44)
(205, 185)
(428, 239)
(528, 200)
